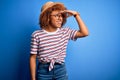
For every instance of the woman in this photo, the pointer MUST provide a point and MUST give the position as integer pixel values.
(50, 42)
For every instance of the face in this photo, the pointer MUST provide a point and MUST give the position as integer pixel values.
(56, 19)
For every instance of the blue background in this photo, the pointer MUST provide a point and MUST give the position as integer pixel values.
(96, 57)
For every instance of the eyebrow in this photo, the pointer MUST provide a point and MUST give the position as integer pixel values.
(57, 13)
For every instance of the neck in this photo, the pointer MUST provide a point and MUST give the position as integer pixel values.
(50, 29)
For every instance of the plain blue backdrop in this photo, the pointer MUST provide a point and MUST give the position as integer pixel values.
(96, 57)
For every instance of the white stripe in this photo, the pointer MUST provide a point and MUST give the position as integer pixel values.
(52, 47)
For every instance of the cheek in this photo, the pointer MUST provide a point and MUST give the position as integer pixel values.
(51, 18)
(52, 22)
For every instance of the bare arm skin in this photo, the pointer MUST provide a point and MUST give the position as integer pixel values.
(83, 31)
(33, 66)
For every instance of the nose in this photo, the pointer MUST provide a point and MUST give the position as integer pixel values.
(60, 17)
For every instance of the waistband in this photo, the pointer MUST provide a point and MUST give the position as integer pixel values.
(48, 63)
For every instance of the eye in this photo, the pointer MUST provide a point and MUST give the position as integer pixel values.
(56, 15)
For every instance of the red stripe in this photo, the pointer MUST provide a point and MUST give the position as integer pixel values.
(51, 46)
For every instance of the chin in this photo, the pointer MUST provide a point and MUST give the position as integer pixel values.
(59, 26)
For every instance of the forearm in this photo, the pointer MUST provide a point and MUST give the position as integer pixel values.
(82, 27)
(33, 67)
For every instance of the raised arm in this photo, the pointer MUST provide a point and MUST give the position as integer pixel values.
(83, 31)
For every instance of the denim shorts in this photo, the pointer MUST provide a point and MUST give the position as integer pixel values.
(57, 73)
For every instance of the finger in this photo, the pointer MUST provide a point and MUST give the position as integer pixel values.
(62, 12)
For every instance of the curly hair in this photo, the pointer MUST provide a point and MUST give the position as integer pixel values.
(45, 16)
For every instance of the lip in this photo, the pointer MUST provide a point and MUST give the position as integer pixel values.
(59, 22)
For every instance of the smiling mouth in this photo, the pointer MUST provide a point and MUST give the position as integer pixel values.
(59, 22)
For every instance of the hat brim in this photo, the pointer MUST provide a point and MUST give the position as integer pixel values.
(50, 6)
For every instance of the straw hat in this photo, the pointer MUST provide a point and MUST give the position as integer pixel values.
(50, 4)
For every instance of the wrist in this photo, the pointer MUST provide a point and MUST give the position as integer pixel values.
(33, 79)
(76, 14)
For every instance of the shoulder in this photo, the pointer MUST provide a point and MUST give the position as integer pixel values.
(65, 29)
(36, 33)
(68, 30)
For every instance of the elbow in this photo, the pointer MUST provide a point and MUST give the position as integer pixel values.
(86, 34)
(82, 34)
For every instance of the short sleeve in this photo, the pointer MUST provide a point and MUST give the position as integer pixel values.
(34, 43)
(71, 34)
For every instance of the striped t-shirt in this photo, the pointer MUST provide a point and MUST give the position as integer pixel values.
(51, 46)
